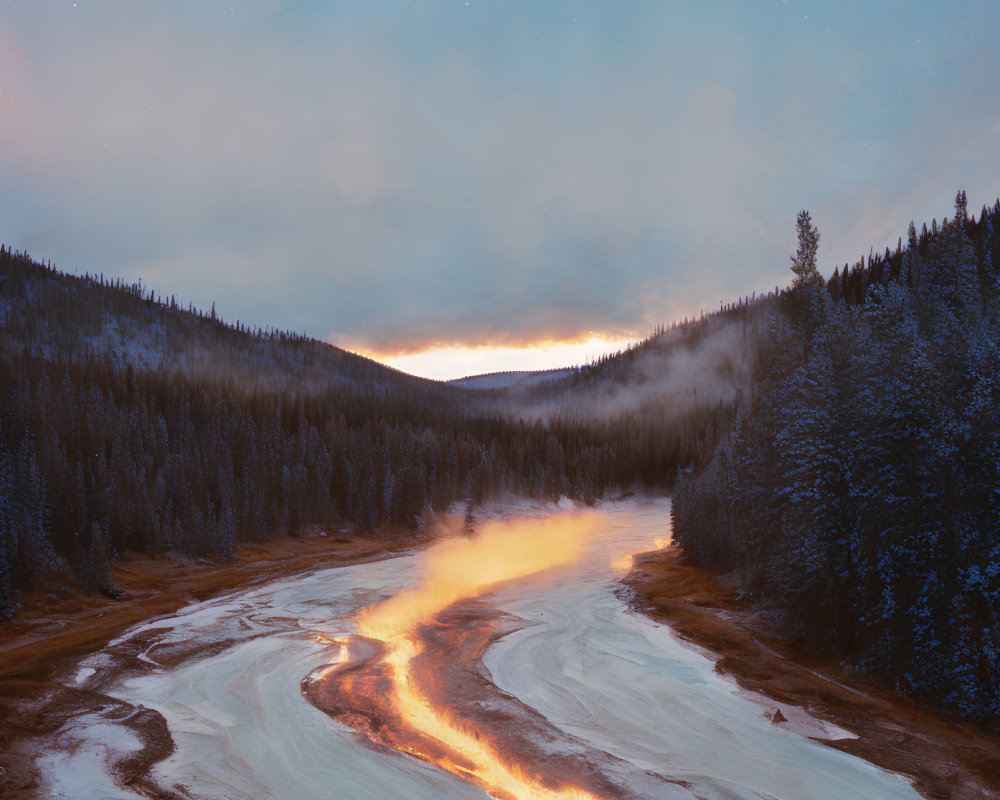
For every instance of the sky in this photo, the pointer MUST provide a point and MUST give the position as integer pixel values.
(462, 186)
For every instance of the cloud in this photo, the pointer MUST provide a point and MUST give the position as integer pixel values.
(425, 174)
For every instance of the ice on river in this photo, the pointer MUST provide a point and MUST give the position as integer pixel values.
(626, 685)
(610, 677)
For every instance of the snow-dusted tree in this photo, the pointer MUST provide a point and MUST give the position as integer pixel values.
(6, 533)
(856, 496)
(804, 260)
(912, 258)
(962, 255)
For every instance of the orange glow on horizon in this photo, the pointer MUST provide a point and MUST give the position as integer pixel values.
(460, 568)
(450, 361)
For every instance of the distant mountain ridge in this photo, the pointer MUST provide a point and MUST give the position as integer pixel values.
(503, 380)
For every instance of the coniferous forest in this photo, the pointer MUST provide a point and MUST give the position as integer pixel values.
(131, 424)
(856, 496)
(834, 447)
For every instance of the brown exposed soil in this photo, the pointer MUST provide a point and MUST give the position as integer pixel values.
(56, 627)
(943, 759)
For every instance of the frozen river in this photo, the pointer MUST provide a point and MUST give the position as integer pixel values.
(226, 675)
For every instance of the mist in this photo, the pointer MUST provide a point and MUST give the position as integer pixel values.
(460, 567)
(695, 366)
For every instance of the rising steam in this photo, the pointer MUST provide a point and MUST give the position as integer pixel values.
(460, 568)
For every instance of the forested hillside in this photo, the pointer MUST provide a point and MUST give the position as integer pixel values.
(129, 423)
(665, 396)
(856, 496)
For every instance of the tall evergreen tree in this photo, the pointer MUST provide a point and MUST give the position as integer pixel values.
(804, 261)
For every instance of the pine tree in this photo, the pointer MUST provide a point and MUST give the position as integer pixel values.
(963, 260)
(6, 533)
(912, 259)
(804, 260)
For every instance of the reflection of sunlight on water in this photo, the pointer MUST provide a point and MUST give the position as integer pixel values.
(611, 681)
(625, 562)
(456, 569)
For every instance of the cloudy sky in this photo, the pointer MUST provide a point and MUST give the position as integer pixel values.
(398, 176)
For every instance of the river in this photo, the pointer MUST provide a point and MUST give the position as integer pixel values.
(603, 685)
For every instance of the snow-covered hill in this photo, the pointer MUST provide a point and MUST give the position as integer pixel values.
(501, 380)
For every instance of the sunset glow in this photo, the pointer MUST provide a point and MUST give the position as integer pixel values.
(446, 362)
